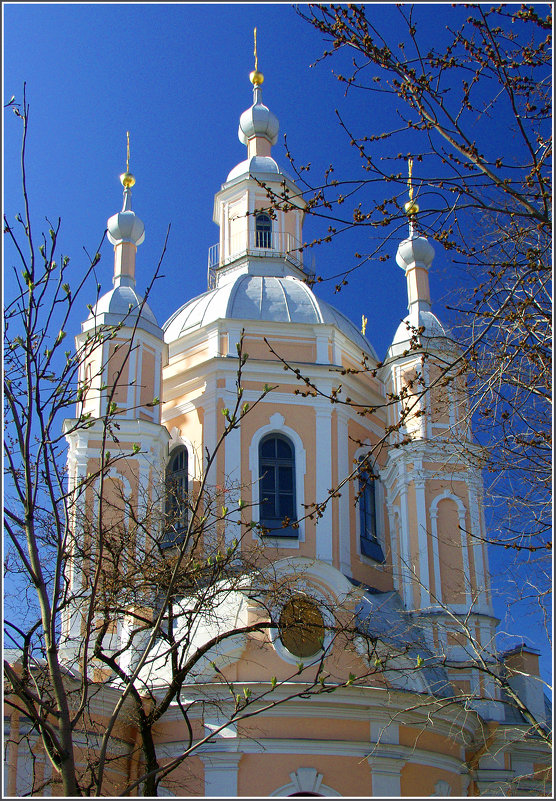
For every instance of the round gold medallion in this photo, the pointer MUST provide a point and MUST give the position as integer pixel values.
(301, 627)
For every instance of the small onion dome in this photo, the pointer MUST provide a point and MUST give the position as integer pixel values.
(258, 121)
(126, 225)
(416, 250)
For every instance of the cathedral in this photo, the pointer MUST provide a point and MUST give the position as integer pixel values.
(340, 500)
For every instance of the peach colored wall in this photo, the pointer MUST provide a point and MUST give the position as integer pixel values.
(289, 218)
(237, 224)
(449, 550)
(118, 359)
(418, 284)
(190, 426)
(124, 259)
(418, 780)
(310, 728)
(147, 376)
(524, 662)
(291, 350)
(428, 741)
(91, 373)
(302, 420)
(186, 780)
(183, 361)
(261, 774)
(439, 396)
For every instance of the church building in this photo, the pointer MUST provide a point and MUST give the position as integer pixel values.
(344, 496)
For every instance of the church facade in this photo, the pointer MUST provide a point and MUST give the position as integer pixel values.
(341, 477)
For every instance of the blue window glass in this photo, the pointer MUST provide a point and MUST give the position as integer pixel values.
(176, 498)
(263, 231)
(277, 485)
(368, 538)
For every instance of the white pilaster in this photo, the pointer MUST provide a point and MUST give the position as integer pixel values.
(385, 776)
(433, 512)
(421, 507)
(221, 771)
(476, 533)
(323, 471)
(344, 532)
(405, 549)
(135, 363)
(232, 471)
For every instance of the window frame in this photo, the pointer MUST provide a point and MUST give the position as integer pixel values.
(277, 423)
(183, 474)
(263, 235)
(277, 462)
(368, 496)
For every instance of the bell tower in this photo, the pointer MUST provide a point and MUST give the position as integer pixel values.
(117, 446)
(254, 237)
(433, 477)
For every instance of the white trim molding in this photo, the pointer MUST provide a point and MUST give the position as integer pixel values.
(305, 780)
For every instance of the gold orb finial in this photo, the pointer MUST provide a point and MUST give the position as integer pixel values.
(256, 77)
(127, 179)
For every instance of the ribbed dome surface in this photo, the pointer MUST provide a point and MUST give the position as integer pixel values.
(258, 120)
(122, 303)
(264, 298)
(433, 333)
(257, 165)
(126, 227)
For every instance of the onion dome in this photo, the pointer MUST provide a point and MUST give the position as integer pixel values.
(415, 253)
(125, 226)
(122, 304)
(258, 121)
(414, 256)
(258, 127)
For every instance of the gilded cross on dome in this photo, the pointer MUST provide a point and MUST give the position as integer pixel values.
(411, 208)
(256, 77)
(127, 179)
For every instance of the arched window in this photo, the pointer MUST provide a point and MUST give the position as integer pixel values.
(277, 484)
(366, 501)
(176, 497)
(263, 231)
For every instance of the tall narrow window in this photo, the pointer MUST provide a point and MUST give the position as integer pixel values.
(263, 231)
(176, 497)
(277, 485)
(368, 538)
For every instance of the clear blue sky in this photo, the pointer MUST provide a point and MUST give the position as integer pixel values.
(176, 77)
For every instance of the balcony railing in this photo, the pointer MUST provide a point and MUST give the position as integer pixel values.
(254, 243)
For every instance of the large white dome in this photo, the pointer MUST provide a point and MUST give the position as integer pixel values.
(277, 299)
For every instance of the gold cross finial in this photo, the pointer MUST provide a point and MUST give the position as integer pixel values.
(363, 324)
(411, 208)
(127, 179)
(256, 77)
